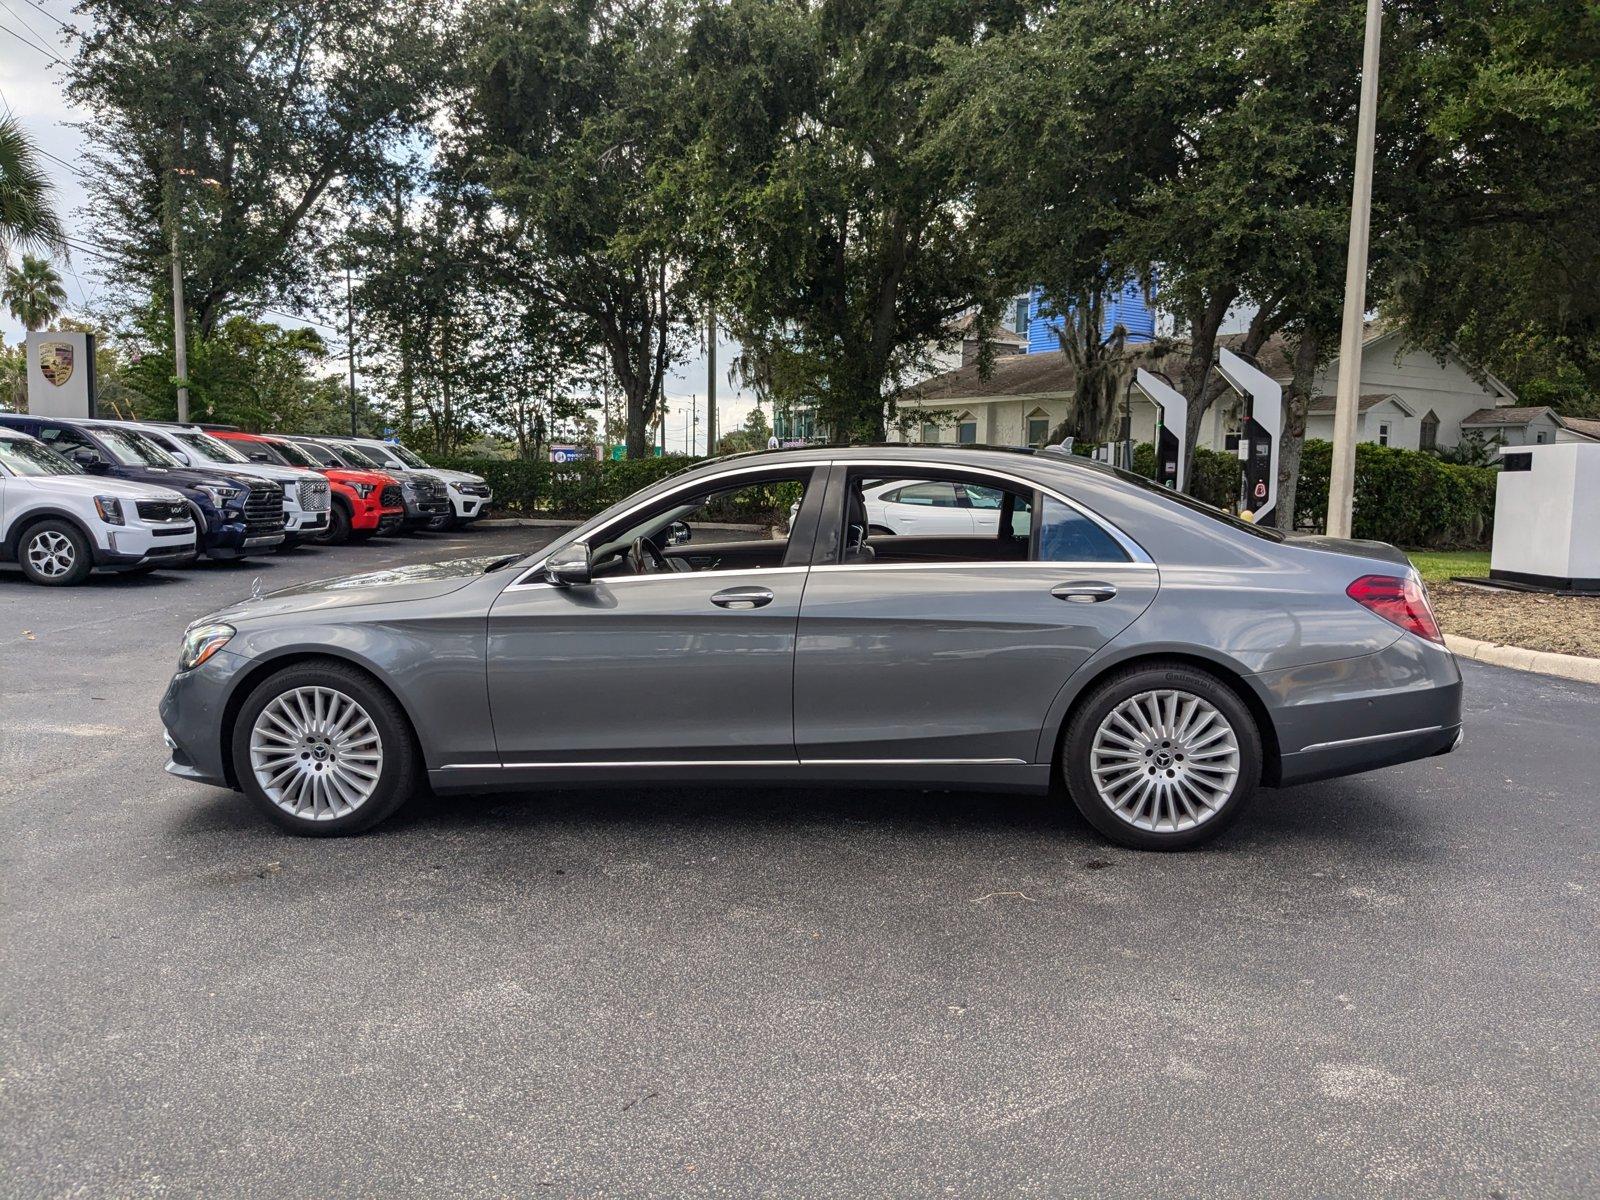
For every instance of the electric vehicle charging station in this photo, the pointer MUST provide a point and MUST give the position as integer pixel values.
(1263, 428)
(1172, 427)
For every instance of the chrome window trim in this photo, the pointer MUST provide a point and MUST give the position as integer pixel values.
(1028, 564)
(1135, 551)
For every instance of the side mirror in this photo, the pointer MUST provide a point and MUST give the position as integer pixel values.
(678, 533)
(569, 566)
(259, 456)
(89, 460)
(181, 456)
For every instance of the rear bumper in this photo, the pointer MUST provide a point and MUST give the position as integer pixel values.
(1351, 715)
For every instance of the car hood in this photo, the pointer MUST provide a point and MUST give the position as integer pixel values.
(98, 485)
(181, 477)
(419, 581)
(264, 471)
(455, 476)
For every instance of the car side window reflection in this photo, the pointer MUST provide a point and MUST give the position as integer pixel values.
(1066, 535)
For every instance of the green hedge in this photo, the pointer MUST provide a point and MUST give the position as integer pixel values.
(1406, 497)
(565, 489)
(1214, 476)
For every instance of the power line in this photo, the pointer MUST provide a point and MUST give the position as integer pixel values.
(32, 45)
(72, 29)
(24, 21)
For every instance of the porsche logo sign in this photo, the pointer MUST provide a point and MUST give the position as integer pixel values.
(55, 362)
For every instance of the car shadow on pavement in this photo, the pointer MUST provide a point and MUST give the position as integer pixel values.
(1375, 822)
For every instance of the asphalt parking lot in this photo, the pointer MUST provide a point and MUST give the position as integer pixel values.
(1384, 985)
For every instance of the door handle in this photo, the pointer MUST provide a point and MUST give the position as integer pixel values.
(742, 597)
(1083, 593)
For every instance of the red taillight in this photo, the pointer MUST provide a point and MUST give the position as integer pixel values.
(1398, 600)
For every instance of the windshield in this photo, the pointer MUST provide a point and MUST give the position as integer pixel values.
(208, 447)
(24, 456)
(285, 453)
(1189, 502)
(355, 458)
(320, 456)
(410, 457)
(132, 449)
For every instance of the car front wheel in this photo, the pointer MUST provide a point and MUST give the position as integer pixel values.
(323, 750)
(1161, 757)
(55, 554)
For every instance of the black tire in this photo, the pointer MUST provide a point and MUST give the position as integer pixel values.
(54, 553)
(879, 531)
(399, 769)
(337, 531)
(1221, 804)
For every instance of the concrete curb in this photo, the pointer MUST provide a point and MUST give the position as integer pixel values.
(1542, 662)
(524, 522)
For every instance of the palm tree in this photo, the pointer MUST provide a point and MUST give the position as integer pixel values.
(27, 218)
(34, 293)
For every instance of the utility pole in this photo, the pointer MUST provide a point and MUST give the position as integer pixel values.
(180, 338)
(350, 334)
(711, 378)
(1347, 398)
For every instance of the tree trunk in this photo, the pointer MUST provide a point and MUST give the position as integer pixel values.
(1296, 402)
(1193, 380)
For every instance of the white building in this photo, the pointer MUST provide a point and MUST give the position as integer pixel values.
(1408, 398)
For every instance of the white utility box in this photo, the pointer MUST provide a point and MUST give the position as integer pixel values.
(1547, 517)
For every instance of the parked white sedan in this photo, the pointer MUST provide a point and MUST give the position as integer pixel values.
(935, 506)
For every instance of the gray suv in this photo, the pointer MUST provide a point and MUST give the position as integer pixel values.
(1156, 658)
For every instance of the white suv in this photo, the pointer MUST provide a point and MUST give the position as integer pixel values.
(469, 494)
(307, 504)
(58, 523)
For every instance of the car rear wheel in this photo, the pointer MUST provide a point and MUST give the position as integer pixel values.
(55, 554)
(323, 750)
(1161, 757)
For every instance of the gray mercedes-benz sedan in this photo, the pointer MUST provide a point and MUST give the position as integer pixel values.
(1156, 658)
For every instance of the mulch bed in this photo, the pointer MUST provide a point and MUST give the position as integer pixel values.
(1563, 624)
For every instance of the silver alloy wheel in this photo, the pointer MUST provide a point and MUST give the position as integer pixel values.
(1165, 761)
(316, 753)
(51, 554)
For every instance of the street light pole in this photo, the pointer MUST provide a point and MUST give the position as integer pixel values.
(711, 378)
(180, 334)
(1347, 397)
(350, 333)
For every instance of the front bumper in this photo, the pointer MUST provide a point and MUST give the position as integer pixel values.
(191, 712)
(135, 545)
(300, 521)
(236, 537)
(469, 507)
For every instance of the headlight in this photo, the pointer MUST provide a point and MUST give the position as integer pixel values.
(110, 510)
(364, 490)
(457, 486)
(200, 642)
(220, 495)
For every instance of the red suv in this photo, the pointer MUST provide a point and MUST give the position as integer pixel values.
(364, 502)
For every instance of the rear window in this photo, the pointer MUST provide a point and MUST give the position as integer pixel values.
(1189, 502)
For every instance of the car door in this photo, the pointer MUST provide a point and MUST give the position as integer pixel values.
(958, 662)
(684, 666)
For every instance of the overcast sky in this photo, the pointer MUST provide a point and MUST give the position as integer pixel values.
(31, 38)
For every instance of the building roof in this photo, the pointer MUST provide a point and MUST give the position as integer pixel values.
(1582, 426)
(1524, 415)
(1324, 405)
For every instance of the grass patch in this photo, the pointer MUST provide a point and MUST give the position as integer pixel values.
(1436, 566)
